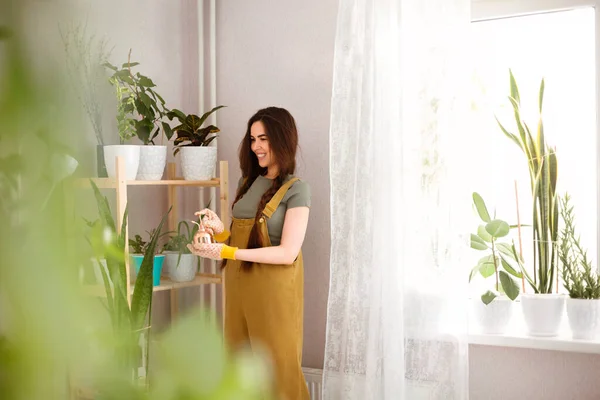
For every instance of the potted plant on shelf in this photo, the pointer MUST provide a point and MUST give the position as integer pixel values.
(579, 278)
(198, 159)
(544, 308)
(140, 113)
(494, 310)
(139, 248)
(180, 264)
(128, 319)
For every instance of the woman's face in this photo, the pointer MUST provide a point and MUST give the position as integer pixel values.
(259, 143)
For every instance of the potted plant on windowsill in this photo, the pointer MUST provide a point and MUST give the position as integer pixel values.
(198, 159)
(180, 264)
(579, 278)
(140, 113)
(139, 248)
(494, 310)
(544, 308)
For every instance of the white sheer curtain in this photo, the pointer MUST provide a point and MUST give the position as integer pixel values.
(399, 150)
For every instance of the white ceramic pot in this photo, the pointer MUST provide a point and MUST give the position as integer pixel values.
(584, 318)
(543, 313)
(198, 162)
(494, 317)
(131, 156)
(152, 163)
(166, 271)
(185, 271)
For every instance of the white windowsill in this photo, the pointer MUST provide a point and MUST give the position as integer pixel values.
(516, 336)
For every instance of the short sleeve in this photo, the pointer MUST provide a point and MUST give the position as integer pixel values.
(299, 195)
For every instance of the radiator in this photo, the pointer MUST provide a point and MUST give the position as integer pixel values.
(314, 377)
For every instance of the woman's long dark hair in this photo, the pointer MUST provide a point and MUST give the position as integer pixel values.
(282, 134)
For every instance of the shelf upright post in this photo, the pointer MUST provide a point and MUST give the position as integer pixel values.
(172, 224)
(121, 191)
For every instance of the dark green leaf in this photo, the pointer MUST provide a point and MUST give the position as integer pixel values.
(168, 130)
(142, 293)
(497, 228)
(130, 65)
(509, 268)
(145, 82)
(207, 141)
(206, 115)
(508, 284)
(488, 297)
(148, 102)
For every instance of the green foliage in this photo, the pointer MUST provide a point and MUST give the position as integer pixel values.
(180, 241)
(85, 56)
(486, 239)
(56, 338)
(137, 97)
(542, 163)
(190, 131)
(139, 246)
(579, 277)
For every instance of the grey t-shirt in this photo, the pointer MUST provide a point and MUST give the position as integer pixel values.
(298, 195)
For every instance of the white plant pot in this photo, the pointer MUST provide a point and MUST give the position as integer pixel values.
(543, 313)
(198, 162)
(584, 318)
(131, 156)
(166, 271)
(495, 317)
(152, 163)
(185, 271)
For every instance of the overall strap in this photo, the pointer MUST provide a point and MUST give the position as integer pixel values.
(274, 203)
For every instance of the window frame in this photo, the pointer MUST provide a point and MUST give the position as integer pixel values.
(483, 10)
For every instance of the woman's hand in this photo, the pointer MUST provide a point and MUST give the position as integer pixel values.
(214, 251)
(211, 221)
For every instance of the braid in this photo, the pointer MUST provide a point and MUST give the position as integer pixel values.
(255, 240)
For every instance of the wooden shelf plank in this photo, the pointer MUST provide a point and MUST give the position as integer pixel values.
(165, 284)
(107, 183)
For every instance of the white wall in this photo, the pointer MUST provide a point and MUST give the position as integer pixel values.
(281, 53)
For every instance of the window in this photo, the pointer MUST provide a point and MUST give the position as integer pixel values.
(559, 47)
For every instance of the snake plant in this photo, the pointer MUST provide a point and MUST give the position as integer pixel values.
(542, 163)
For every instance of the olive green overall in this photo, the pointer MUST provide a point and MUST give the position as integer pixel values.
(264, 306)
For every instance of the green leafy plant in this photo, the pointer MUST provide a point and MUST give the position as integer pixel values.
(138, 98)
(139, 246)
(578, 275)
(500, 254)
(180, 241)
(85, 56)
(542, 163)
(190, 131)
(128, 321)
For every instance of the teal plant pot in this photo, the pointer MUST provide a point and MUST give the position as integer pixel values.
(156, 268)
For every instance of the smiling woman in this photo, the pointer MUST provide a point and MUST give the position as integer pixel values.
(264, 272)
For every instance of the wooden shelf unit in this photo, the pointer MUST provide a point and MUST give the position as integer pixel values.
(120, 184)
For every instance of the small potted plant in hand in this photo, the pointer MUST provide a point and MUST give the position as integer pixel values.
(138, 248)
(198, 159)
(579, 278)
(494, 310)
(180, 264)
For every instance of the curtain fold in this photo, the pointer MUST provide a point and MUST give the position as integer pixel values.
(396, 325)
